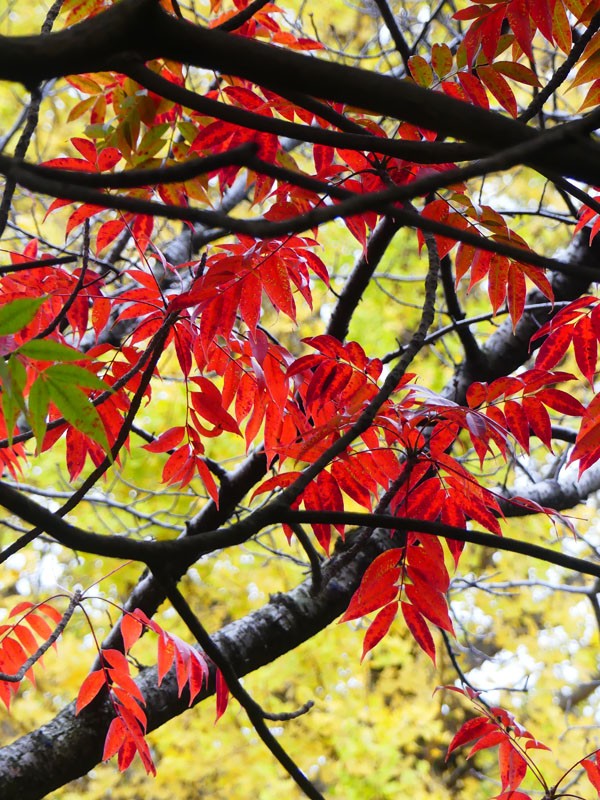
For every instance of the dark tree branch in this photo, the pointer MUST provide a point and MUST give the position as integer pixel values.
(468, 341)
(395, 32)
(360, 277)
(250, 706)
(141, 28)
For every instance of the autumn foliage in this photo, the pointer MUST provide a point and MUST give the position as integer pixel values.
(196, 201)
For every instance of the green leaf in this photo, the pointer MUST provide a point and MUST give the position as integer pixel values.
(16, 315)
(38, 409)
(73, 375)
(18, 375)
(49, 350)
(76, 408)
(12, 378)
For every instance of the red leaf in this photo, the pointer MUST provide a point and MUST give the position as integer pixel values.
(114, 738)
(379, 627)
(592, 772)
(516, 291)
(166, 654)
(222, 693)
(472, 729)
(561, 401)
(513, 767)
(39, 625)
(538, 420)
(554, 347)
(131, 630)
(377, 587)
(491, 739)
(517, 13)
(107, 233)
(430, 603)
(80, 215)
(166, 441)
(92, 684)
(418, 627)
(586, 347)
(86, 148)
(49, 611)
(517, 423)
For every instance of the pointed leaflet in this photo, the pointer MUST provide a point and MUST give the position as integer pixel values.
(586, 347)
(561, 401)
(222, 693)
(131, 630)
(491, 739)
(379, 628)
(513, 767)
(417, 625)
(92, 684)
(554, 348)
(593, 773)
(115, 738)
(518, 423)
(323, 494)
(427, 561)
(539, 420)
(429, 602)
(377, 587)
(471, 730)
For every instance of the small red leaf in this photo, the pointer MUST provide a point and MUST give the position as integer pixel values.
(379, 627)
(586, 347)
(222, 693)
(89, 689)
(418, 627)
(377, 587)
(131, 630)
(472, 729)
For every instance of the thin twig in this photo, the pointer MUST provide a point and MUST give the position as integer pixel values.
(17, 677)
